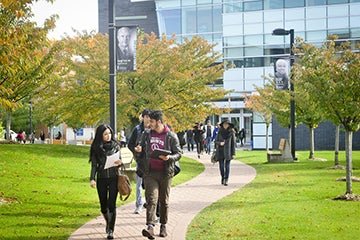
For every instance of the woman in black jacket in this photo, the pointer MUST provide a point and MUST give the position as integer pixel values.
(225, 149)
(104, 145)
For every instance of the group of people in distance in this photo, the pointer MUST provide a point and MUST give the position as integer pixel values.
(154, 173)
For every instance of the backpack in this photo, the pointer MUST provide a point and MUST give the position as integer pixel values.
(124, 184)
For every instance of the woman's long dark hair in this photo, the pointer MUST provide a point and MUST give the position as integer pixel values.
(97, 146)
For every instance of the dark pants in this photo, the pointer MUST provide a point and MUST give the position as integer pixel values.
(107, 191)
(224, 168)
(157, 190)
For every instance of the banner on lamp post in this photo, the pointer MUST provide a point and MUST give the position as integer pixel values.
(126, 48)
(281, 75)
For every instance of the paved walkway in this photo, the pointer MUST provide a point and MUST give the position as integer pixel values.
(186, 201)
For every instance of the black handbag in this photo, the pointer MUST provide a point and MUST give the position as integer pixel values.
(213, 157)
(177, 168)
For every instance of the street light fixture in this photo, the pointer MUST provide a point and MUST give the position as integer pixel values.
(283, 32)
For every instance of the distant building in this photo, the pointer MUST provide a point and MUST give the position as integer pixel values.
(243, 32)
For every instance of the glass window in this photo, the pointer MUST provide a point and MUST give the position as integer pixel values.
(204, 1)
(341, 33)
(234, 52)
(233, 7)
(273, 4)
(254, 51)
(273, 15)
(334, 23)
(270, 26)
(253, 17)
(354, 21)
(296, 25)
(234, 18)
(355, 9)
(272, 39)
(253, 39)
(204, 19)
(253, 28)
(217, 19)
(338, 11)
(188, 20)
(274, 50)
(217, 39)
(355, 32)
(169, 21)
(315, 24)
(293, 4)
(316, 36)
(337, 1)
(253, 5)
(233, 41)
(232, 30)
(315, 2)
(315, 12)
(294, 14)
(188, 2)
(167, 4)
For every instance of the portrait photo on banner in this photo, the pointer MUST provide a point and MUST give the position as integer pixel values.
(126, 48)
(282, 70)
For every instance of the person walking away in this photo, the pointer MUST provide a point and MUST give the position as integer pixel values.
(225, 149)
(242, 136)
(190, 140)
(123, 137)
(134, 140)
(209, 130)
(158, 170)
(104, 145)
(199, 139)
(42, 137)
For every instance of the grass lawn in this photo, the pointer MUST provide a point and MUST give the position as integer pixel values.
(285, 201)
(47, 190)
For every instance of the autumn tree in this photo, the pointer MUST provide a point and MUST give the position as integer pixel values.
(26, 55)
(258, 104)
(330, 74)
(170, 76)
(173, 77)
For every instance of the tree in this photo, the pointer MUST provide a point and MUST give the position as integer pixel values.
(258, 103)
(331, 76)
(170, 76)
(26, 56)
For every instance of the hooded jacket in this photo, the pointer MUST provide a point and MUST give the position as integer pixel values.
(171, 144)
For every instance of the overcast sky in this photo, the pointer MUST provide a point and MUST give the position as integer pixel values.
(77, 14)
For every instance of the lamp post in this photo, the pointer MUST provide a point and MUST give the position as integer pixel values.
(283, 32)
(112, 76)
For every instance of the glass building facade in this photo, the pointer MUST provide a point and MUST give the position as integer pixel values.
(242, 31)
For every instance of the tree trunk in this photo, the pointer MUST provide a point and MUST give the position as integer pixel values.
(51, 133)
(348, 150)
(311, 156)
(337, 141)
(8, 124)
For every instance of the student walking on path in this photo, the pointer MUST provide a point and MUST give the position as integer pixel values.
(187, 200)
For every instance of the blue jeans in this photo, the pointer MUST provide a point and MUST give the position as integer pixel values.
(224, 167)
(208, 144)
(139, 189)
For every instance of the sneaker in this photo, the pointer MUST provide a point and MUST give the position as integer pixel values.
(138, 210)
(149, 232)
(163, 232)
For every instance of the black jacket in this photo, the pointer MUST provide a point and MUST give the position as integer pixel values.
(228, 150)
(98, 160)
